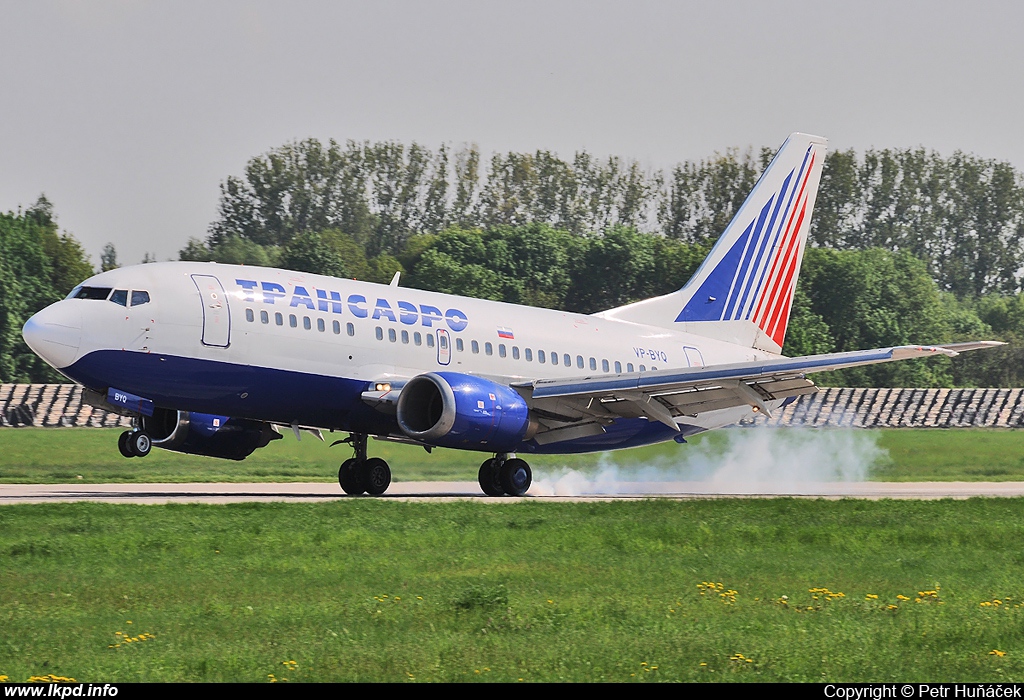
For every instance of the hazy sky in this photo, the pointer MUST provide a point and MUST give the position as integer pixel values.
(128, 115)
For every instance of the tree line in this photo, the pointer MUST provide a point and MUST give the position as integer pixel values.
(906, 246)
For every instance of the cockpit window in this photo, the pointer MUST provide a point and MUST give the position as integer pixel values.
(120, 296)
(74, 292)
(93, 293)
(139, 297)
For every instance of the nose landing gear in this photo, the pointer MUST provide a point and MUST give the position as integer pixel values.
(361, 475)
(501, 476)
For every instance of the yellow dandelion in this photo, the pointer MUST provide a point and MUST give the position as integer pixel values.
(996, 652)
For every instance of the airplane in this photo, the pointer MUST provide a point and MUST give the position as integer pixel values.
(217, 359)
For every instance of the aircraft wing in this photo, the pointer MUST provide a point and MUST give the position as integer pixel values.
(579, 406)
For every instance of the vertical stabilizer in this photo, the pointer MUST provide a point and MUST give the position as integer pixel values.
(743, 292)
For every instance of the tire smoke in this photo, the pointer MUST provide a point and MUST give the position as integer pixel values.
(760, 460)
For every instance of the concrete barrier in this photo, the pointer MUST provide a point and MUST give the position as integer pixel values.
(60, 405)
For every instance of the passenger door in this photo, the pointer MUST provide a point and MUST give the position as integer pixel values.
(216, 313)
(694, 358)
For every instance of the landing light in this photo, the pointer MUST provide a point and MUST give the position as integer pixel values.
(382, 386)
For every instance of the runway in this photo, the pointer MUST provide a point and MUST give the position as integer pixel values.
(467, 490)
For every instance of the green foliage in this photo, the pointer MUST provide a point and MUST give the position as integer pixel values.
(963, 215)
(108, 258)
(871, 299)
(38, 266)
(703, 197)
(310, 252)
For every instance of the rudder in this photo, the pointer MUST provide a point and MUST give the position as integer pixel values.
(743, 292)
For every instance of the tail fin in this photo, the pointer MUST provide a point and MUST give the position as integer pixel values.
(743, 292)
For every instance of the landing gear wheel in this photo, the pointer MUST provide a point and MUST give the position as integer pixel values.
(515, 477)
(139, 443)
(122, 444)
(376, 476)
(488, 478)
(350, 477)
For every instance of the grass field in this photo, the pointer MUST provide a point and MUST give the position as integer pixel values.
(55, 455)
(370, 590)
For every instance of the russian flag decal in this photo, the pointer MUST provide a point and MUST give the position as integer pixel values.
(506, 333)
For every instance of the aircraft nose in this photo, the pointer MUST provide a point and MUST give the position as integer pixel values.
(55, 333)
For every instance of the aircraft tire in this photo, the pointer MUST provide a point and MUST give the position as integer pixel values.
(515, 477)
(376, 476)
(489, 479)
(122, 444)
(139, 443)
(350, 477)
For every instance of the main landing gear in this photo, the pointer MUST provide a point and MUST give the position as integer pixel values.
(134, 443)
(361, 475)
(502, 476)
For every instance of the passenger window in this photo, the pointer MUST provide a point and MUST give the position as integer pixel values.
(567, 360)
(643, 368)
(430, 340)
(459, 345)
(405, 337)
(540, 356)
(380, 333)
(501, 350)
(139, 298)
(475, 347)
(488, 349)
(515, 352)
(618, 367)
(529, 355)
(417, 338)
(249, 316)
(292, 321)
(336, 327)
(120, 296)
(629, 366)
(443, 342)
(579, 361)
(306, 323)
(320, 326)
(392, 336)
(279, 319)
(264, 317)
(350, 329)
(554, 358)
(604, 366)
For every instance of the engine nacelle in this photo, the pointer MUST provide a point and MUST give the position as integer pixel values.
(204, 434)
(449, 409)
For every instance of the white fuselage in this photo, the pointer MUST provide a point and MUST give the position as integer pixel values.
(205, 321)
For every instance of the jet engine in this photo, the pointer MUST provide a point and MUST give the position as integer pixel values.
(449, 409)
(205, 434)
